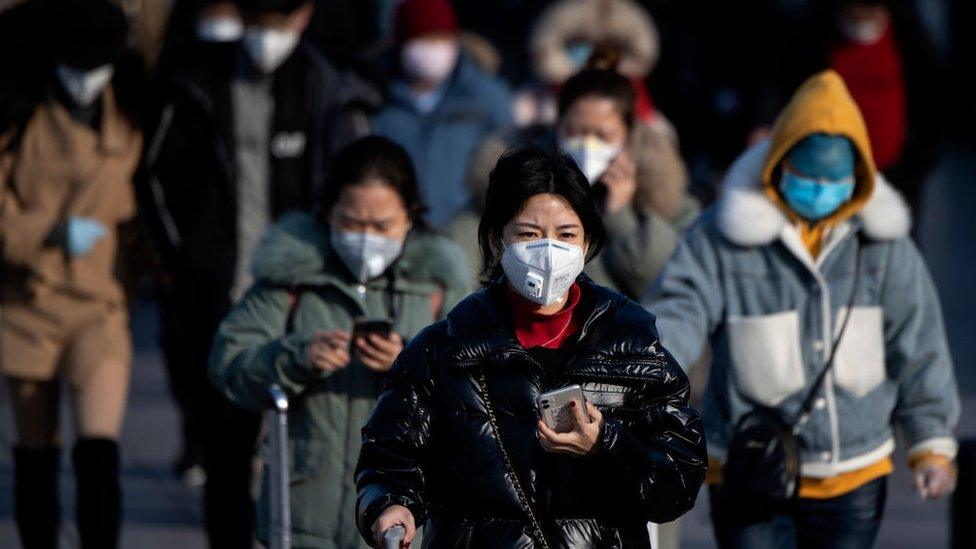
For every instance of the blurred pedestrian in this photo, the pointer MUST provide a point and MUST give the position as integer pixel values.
(201, 35)
(711, 78)
(234, 148)
(824, 325)
(366, 256)
(640, 183)
(572, 35)
(888, 60)
(66, 163)
(203, 40)
(440, 106)
(456, 444)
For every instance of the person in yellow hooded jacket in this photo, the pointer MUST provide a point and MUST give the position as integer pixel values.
(806, 262)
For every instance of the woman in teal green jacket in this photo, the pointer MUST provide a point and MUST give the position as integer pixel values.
(366, 255)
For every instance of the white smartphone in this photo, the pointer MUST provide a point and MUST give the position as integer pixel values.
(554, 407)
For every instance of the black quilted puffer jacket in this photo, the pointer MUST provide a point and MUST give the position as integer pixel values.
(429, 444)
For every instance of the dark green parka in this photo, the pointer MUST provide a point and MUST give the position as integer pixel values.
(302, 284)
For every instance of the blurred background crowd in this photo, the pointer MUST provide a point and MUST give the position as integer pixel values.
(204, 121)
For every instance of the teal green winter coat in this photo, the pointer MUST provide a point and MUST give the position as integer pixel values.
(300, 283)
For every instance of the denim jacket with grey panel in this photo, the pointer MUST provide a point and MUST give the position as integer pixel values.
(743, 281)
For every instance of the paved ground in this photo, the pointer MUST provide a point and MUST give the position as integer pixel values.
(161, 513)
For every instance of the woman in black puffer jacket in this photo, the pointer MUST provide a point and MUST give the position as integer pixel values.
(455, 441)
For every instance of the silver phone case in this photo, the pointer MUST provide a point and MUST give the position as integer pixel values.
(554, 407)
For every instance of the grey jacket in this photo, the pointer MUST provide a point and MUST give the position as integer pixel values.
(743, 280)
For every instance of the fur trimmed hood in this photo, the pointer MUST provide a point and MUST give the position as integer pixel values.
(747, 217)
(622, 22)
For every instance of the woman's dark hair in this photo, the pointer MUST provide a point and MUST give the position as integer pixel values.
(604, 83)
(373, 157)
(35, 36)
(521, 174)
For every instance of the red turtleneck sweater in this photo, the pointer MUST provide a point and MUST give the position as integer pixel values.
(533, 329)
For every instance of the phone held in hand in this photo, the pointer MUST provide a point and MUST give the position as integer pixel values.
(554, 407)
(363, 327)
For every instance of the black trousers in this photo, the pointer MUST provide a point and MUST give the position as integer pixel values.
(848, 521)
(219, 434)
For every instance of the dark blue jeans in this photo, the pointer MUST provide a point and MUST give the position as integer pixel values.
(850, 521)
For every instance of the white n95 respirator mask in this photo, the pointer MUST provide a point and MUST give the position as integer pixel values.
(592, 154)
(83, 86)
(220, 29)
(269, 48)
(366, 255)
(542, 270)
(429, 60)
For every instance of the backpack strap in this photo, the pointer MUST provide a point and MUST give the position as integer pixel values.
(294, 296)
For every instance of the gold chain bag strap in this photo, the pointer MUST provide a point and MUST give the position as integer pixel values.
(537, 532)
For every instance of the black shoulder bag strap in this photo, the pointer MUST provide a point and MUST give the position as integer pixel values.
(806, 408)
(537, 532)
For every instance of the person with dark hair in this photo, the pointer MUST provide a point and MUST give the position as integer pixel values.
(202, 44)
(366, 258)
(200, 35)
(638, 178)
(440, 106)
(455, 443)
(239, 140)
(65, 187)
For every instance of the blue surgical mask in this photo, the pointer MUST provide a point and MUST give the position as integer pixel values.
(579, 53)
(815, 199)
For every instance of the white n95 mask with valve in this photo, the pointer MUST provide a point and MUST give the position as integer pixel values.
(542, 270)
(592, 154)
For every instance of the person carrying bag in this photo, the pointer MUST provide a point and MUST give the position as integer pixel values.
(762, 471)
(456, 445)
(336, 297)
(826, 335)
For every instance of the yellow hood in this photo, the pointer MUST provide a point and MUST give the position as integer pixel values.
(821, 105)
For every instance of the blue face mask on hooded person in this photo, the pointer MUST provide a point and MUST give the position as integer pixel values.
(818, 175)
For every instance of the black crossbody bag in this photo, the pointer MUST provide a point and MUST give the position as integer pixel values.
(762, 466)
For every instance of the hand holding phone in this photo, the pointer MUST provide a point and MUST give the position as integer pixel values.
(375, 343)
(363, 327)
(568, 424)
(554, 407)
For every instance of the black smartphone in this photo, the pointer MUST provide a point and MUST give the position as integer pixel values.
(363, 327)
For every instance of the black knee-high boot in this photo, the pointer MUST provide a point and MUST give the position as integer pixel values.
(37, 504)
(99, 504)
